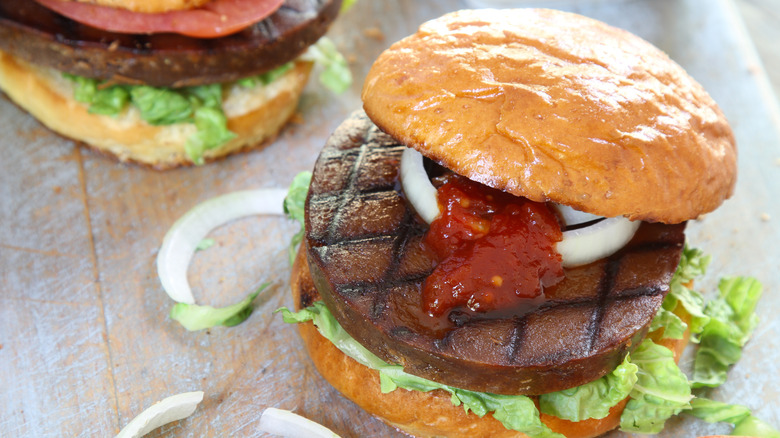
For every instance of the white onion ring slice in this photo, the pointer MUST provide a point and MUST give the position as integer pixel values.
(181, 240)
(574, 217)
(602, 239)
(578, 247)
(290, 425)
(173, 408)
(417, 186)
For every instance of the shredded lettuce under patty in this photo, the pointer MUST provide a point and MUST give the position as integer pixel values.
(693, 264)
(593, 399)
(201, 105)
(661, 390)
(294, 204)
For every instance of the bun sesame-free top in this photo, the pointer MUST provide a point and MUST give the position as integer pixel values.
(554, 106)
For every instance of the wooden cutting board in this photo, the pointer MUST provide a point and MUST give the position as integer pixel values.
(85, 340)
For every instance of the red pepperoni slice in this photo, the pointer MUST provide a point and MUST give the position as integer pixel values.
(215, 19)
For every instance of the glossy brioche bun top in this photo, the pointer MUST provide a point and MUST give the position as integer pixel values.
(554, 106)
(149, 6)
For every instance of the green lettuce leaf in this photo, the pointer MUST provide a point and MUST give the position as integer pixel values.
(693, 264)
(109, 101)
(294, 204)
(272, 75)
(732, 321)
(740, 416)
(209, 119)
(514, 412)
(593, 399)
(674, 327)
(161, 106)
(332, 330)
(741, 295)
(267, 77)
(335, 74)
(84, 89)
(347, 5)
(693, 302)
(194, 317)
(752, 426)
(205, 95)
(205, 244)
(713, 411)
(662, 390)
(212, 132)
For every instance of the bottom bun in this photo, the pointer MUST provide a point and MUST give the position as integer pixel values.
(422, 414)
(425, 414)
(254, 114)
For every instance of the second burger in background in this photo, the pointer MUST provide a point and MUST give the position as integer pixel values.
(165, 83)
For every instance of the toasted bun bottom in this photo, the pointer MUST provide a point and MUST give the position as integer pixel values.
(422, 414)
(425, 414)
(255, 117)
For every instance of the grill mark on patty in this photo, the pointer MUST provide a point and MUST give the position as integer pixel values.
(399, 243)
(627, 294)
(345, 196)
(300, 7)
(267, 28)
(516, 339)
(605, 289)
(366, 195)
(385, 284)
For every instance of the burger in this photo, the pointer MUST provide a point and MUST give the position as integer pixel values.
(166, 82)
(495, 246)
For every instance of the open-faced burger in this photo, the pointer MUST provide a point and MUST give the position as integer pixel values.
(489, 248)
(163, 83)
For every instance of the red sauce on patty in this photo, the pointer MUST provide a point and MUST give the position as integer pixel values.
(495, 250)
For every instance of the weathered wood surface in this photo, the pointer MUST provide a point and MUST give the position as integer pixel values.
(85, 341)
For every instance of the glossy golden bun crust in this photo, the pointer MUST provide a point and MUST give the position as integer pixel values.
(48, 97)
(148, 6)
(557, 107)
(424, 414)
(421, 414)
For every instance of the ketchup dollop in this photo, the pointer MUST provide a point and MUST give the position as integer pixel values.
(495, 250)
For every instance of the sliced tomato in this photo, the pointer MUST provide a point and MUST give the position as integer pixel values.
(215, 19)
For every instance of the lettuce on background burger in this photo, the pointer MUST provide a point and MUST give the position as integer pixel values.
(528, 277)
(169, 82)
